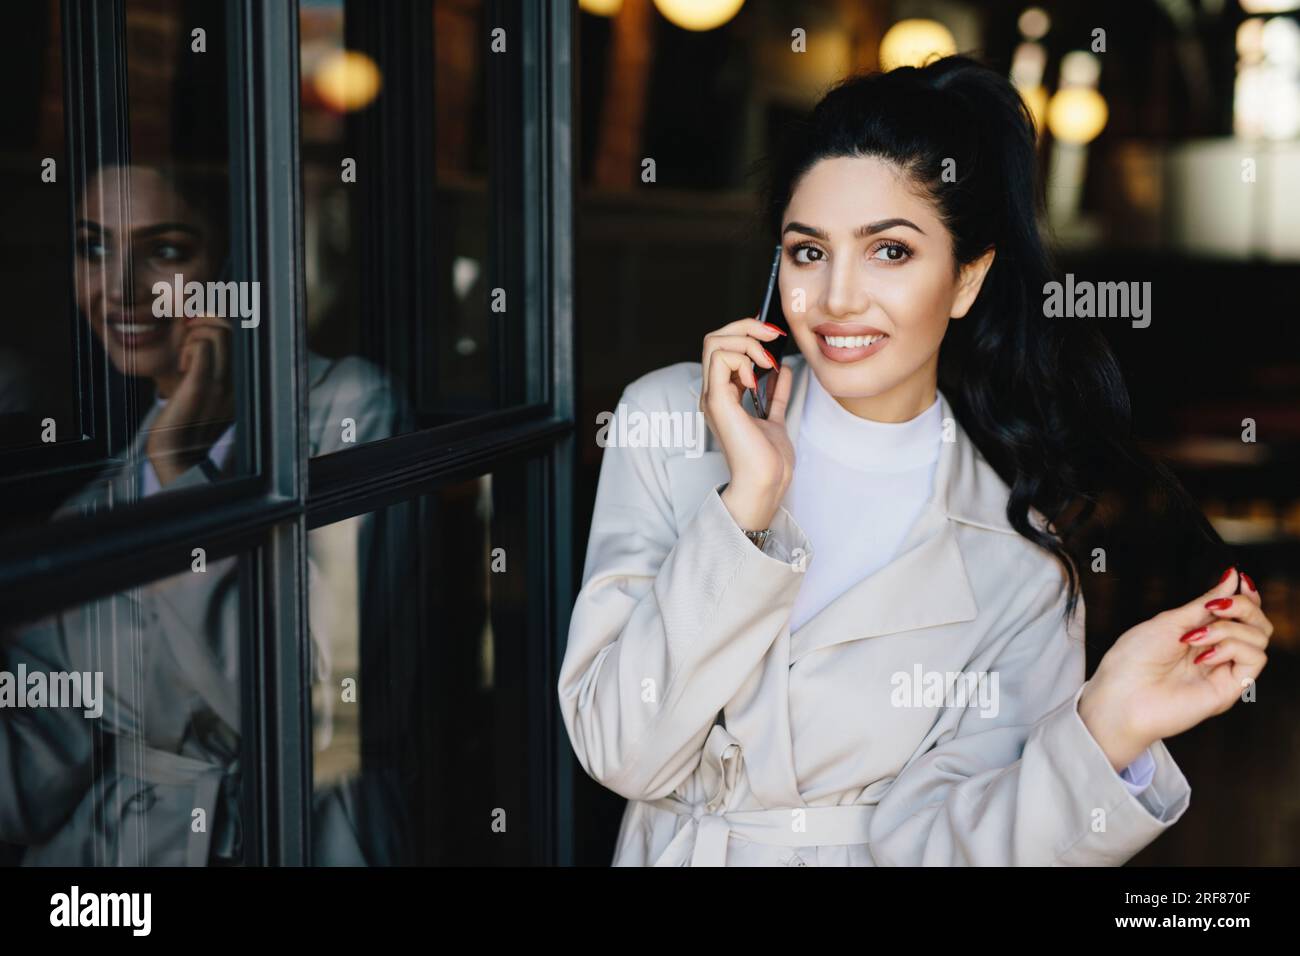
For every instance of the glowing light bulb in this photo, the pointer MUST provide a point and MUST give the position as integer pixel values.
(1076, 114)
(601, 8)
(914, 42)
(699, 14)
(347, 80)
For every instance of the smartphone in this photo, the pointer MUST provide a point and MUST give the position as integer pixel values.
(771, 311)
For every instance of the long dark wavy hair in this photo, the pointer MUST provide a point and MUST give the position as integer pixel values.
(1043, 399)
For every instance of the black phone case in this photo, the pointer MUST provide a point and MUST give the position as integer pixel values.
(772, 312)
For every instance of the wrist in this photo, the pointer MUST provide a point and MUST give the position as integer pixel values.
(166, 469)
(1104, 715)
(752, 512)
(170, 465)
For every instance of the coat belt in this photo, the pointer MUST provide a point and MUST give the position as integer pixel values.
(704, 837)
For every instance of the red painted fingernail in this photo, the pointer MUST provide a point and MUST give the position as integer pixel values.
(1219, 604)
(1194, 635)
(1225, 575)
(1249, 583)
(769, 356)
(1203, 656)
(774, 328)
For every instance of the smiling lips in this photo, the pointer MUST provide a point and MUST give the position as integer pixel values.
(849, 343)
(137, 332)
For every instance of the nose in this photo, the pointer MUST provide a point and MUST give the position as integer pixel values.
(114, 283)
(140, 279)
(847, 294)
(126, 281)
(111, 273)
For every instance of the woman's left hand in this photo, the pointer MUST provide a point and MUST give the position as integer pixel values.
(1171, 672)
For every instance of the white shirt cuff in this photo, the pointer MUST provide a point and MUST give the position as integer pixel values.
(1137, 776)
(150, 483)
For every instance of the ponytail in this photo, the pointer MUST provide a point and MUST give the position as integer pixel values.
(1043, 399)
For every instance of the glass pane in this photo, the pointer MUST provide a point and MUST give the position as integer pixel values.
(38, 366)
(412, 180)
(126, 386)
(418, 616)
(119, 728)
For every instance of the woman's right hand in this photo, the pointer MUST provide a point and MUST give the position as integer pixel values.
(203, 405)
(758, 451)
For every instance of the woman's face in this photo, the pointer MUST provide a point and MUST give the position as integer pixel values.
(122, 252)
(875, 270)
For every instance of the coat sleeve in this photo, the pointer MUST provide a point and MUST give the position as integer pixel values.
(45, 752)
(666, 629)
(1029, 786)
(355, 390)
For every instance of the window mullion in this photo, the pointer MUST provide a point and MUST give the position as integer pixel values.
(281, 652)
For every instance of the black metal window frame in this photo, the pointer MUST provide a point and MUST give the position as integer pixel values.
(266, 518)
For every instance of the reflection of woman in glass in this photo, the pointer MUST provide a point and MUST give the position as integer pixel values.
(160, 784)
(175, 225)
(773, 650)
(119, 260)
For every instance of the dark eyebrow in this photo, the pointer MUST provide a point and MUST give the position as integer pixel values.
(145, 232)
(158, 228)
(862, 232)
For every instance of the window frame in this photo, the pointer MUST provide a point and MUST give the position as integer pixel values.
(266, 517)
(371, 476)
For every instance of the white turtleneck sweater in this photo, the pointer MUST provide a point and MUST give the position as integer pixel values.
(887, 470)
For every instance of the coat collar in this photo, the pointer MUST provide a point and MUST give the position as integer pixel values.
(926, 584)
(966, 487)
(118, 482)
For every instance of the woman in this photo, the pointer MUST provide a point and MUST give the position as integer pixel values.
(851, 633)
(155, 779)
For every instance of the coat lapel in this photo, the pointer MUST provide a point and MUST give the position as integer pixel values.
(118, 482)
(926, 584)
(126, 483)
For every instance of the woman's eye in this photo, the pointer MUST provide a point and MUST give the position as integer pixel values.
(808, 249)
(91, 249)
(892, 252)
(169, 253)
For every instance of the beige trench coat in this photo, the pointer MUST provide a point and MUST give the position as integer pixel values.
(171, 718)
(739, 743)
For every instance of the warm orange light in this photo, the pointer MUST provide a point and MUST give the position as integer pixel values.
(347, 80)
(601, 8)
(914, 43)
(1076, 115)
(1036, 99)
(699, 14)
